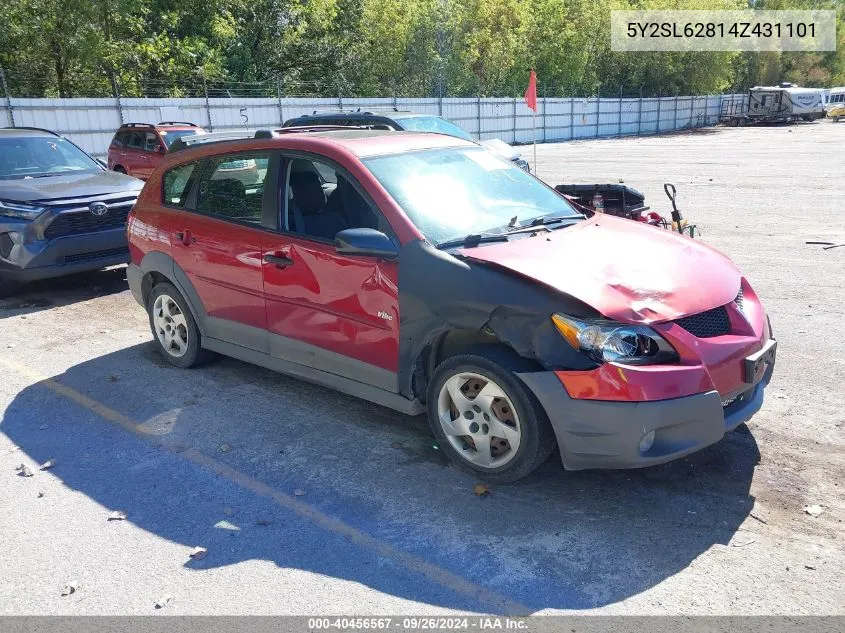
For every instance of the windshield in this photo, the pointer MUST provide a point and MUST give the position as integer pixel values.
(35, 156)
(433, 124)
(450, 193)
(168, 136)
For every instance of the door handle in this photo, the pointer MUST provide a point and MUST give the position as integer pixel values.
(280, 262)
(186, 238)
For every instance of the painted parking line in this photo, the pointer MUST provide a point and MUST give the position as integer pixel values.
(439, 575)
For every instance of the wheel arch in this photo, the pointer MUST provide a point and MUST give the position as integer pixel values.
(457, 341)
(451, 302)
(157, 267)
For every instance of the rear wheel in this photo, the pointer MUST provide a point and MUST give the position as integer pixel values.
(174, 328)
(485, 419)
(119, 169)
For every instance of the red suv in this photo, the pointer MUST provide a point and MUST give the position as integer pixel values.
(137, 148)
(424, 273)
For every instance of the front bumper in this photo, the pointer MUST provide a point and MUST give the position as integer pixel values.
(42, 259)
(607, 434)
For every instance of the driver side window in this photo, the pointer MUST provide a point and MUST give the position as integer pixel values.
(151, 142)
(321, 202)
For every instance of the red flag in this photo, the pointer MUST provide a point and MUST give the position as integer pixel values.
(531, 92)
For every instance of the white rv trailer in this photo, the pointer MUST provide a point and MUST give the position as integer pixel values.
(776, 104)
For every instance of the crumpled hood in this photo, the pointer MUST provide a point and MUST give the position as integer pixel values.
(629, 271)
(69, 185)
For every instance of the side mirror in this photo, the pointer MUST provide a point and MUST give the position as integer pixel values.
(368, 242)
(160, 149)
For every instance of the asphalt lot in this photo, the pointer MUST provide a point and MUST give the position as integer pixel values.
(309, 501)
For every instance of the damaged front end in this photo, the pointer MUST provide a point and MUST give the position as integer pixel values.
(440, 294)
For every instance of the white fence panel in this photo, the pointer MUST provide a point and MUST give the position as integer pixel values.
(91, 123)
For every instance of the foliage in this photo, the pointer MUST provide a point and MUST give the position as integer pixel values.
(371, 48)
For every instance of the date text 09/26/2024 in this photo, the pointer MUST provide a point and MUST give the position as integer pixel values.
(420, 623)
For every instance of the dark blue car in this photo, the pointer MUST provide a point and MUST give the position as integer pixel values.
(61, 211)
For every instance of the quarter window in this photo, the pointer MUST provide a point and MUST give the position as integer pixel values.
(177, 185)
(232, 187)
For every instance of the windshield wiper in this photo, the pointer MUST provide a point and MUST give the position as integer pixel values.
(47, 175)
(539, 224)
(554, 220)
(474, 239)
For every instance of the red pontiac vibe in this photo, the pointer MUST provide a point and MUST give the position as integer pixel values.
(424, 273)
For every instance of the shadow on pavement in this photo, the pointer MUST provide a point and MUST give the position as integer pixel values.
(49, 293)
(554, 540)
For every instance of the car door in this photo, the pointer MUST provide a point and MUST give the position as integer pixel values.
(132, 151)
(219, 246)
(150, 155)
(125, 152)
(337, 313)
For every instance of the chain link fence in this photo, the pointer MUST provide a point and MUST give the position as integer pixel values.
(90, 121)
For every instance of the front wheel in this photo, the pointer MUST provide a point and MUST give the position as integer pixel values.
(485, 419)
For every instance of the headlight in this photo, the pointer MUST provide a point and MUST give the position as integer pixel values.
(611, 342)
(20, 210)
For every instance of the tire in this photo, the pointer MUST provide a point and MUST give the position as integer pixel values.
(7, 288)
(528, 426)
(181, 345)
(119, 169)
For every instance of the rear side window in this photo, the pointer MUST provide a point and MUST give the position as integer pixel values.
(232, 187)
(119, 140)
(177, 185)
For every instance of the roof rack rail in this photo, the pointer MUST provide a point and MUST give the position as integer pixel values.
(319, 128)
(186, 142)
(139, 125)
(178, 123)
(33, 129)
(338, 111)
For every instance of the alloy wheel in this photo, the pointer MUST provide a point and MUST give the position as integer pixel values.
(479, 420)
(170, 326)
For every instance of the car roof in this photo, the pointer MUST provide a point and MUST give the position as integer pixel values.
(26, 131)
(361, 142)
(365, 143)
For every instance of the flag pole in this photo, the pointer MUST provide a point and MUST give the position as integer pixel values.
(531, 102)
(534, 122)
